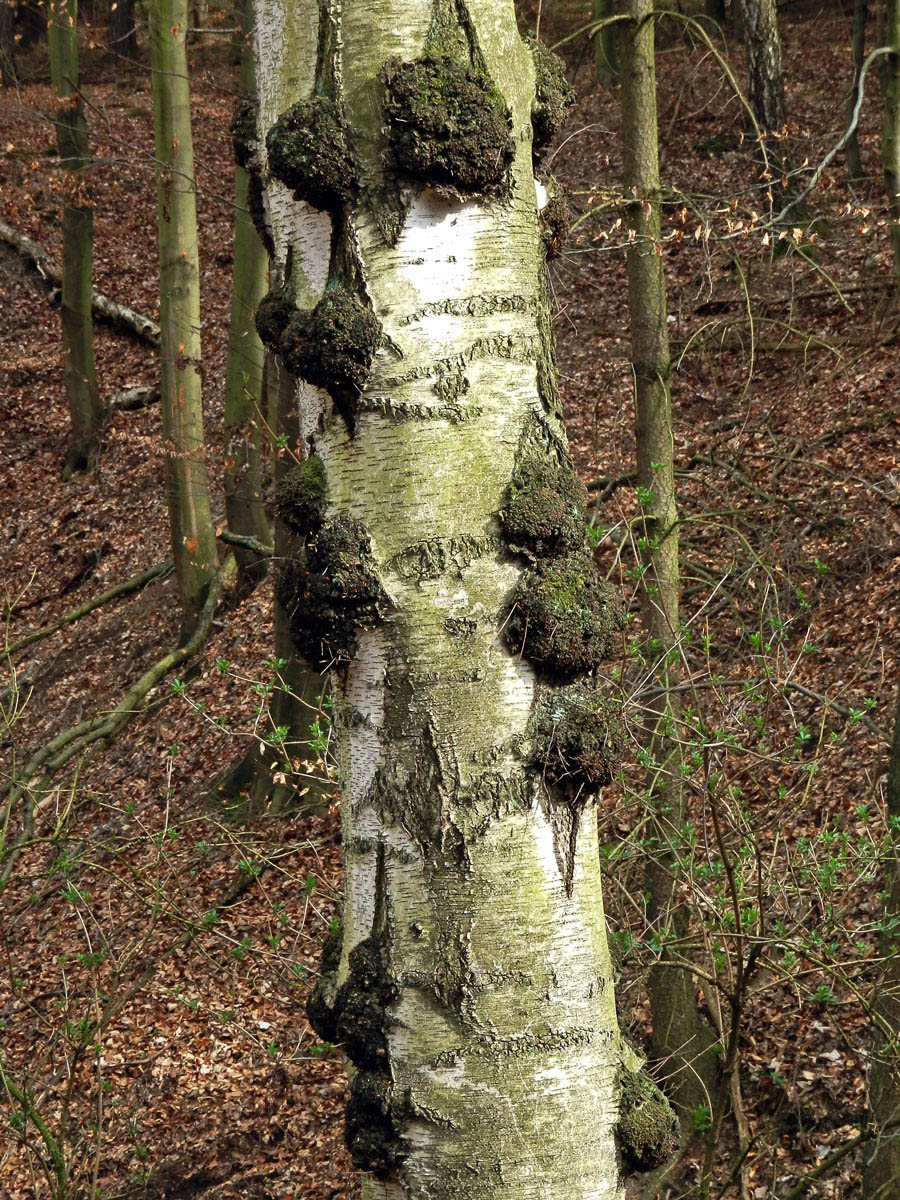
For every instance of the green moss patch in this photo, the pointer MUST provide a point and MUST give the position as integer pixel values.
(554, 95)
(309, 152)
(647, 1129)
(333, 594)
(273, 313)
(333, 347)
(449, 126)
(300, 501)
(580, 738)
(564, 617)
(544, 509)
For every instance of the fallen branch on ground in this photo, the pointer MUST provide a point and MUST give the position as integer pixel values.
(133, 398)
(110, 311)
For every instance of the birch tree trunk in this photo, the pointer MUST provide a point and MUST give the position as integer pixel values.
(190, 519)
(244, 422)
(85, 405)
(446, 580)
(679, 1036)
(890, 129)
(881, 1174)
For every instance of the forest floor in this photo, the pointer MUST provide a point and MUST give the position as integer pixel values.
(154, 1019)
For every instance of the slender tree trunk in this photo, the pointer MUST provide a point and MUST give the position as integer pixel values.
(765, 82)
(881, 1175)
(85, 406)
(190, 519)
(473, 995)
(244, 425)
(122, 32)
(279, 772)
(860, 16)
(606, 44)
(890, 130)
(7, 43)
(679, 1036)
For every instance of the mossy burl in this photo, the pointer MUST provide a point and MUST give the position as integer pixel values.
(647, 1129)
(333, 347)
(332, 594)
(300, 499)
(579, 738)
(564, 616)
(554, 95)
(448, 125)
(244, 132)
(373, 1120)
(543, 513)
(320, 1007)
(555, 220)
(273, 313)
(309, 152)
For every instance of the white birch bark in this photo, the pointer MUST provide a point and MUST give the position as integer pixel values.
(502, 1042)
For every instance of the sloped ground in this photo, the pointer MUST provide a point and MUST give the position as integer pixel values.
(205, 1079)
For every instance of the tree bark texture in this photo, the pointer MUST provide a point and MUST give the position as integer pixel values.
(890, 130)
(244, 423)
(764, 77)
(881, 1174)
(190, 519)
(122, 31)
(679, 1036)
(85, 406)
(473, 992)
